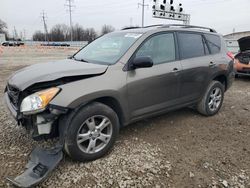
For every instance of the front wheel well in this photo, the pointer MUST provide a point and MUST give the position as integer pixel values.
(114, 104)
(222, 79)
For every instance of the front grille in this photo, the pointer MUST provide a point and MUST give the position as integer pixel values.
(13, 94)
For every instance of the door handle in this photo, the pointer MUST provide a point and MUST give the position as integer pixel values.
(212, 64)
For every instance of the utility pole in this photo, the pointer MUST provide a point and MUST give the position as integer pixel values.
(15, 36)
(69, 5)
(44, 17)
(24, 34)
(143, 7)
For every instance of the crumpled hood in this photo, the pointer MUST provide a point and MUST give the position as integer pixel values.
(244, 44)
(44, 72)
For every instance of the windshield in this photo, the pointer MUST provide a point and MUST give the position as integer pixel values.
(107, 49)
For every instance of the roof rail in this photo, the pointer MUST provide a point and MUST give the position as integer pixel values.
(126, 28)
(189, 26)
(158, 25)
(137, 27)
(174, 25)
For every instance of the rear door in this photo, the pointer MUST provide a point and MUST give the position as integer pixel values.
(196, 65)
(153, 89)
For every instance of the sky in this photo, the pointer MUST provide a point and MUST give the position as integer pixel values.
(25, 15)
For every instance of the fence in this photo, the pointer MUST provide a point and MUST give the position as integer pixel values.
(65, 43)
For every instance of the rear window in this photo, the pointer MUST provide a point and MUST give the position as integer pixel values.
(191, 45)
(214, 43)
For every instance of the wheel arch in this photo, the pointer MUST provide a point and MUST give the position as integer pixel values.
(114, 104)
(222, 78)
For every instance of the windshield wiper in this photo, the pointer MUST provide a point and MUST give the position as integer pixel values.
(82, 60)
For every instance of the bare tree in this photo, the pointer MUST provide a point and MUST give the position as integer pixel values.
(78, 33)
(60, 32)
(90, 34)
(3, 26)
(38, 36)
(107, 29)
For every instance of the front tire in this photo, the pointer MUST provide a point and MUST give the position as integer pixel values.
(92, 132)
(212, 100)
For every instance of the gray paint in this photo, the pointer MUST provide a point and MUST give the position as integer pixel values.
(51, 71)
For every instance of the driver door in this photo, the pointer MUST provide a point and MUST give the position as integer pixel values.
(156, 88)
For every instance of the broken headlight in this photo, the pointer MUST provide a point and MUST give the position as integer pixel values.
(38, 101)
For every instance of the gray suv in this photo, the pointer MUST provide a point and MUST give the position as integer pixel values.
(120, 78)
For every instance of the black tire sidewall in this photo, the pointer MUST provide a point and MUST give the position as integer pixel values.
(212, 87)
(81, 115)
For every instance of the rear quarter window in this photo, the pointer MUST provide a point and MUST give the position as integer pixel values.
(214, 43)
(191, 45)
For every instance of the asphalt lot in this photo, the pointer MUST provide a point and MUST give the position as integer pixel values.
(179, 149)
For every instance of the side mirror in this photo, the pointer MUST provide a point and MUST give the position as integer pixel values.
(142, 62)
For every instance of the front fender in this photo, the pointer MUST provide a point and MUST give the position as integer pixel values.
(111, 84)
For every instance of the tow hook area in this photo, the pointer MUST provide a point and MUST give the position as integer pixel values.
(42, 162)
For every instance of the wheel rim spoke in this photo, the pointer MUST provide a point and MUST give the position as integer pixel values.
(210, 103)
(104, 137)
(91, 146)
(216, 92)
(105, 122)
(91, 123)
(83, 137)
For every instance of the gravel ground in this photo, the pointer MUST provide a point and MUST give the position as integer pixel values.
(179, 149)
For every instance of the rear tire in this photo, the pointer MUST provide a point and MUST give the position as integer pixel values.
(212, 100)
(92, 132)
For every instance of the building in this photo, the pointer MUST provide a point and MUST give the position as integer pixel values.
(237, 35)
(2, 37)
(232, 40)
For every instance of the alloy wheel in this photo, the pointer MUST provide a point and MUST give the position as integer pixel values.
(215, 99)
(94, 134)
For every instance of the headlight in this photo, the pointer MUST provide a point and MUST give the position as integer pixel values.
(38, 101)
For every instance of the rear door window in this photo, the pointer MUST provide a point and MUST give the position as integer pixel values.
(214, 43)
(191, 45)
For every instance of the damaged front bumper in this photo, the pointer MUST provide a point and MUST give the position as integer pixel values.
(42, 162)
(42, 126)
(10, 107)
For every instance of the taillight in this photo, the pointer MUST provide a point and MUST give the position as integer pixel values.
(231, 55)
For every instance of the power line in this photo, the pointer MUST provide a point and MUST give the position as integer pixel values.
(44, 17)
(70, 6)
(143, 6)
